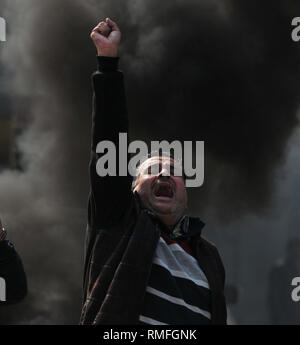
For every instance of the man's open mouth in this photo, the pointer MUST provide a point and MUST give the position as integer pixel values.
(163, 189)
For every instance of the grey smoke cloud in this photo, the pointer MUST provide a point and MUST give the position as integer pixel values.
(219, 71)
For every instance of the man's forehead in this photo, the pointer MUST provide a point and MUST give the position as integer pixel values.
(157, 159)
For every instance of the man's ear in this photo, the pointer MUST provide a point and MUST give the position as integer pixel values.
(136, 184)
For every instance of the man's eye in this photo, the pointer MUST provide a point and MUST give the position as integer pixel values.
(154, 169)
(176, 171)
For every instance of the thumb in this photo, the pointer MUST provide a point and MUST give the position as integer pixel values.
(96, 36)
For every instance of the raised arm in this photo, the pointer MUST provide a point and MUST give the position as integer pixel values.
(109, 195)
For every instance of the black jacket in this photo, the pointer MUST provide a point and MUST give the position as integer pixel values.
(12, 272)
(121, 236)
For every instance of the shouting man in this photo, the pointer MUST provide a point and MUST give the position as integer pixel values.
(146, 261)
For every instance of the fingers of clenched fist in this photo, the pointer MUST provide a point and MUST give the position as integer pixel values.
(106, 36)
(104, 29)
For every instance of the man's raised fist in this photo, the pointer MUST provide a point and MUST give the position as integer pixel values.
(106, 37)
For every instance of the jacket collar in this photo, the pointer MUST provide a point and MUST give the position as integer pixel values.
(186, 227)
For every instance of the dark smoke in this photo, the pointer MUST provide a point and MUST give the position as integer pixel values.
(220, 71)
(226, 76)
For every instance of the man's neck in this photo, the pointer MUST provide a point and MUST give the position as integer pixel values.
(168, 220)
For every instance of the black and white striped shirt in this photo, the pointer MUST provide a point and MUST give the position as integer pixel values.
(178, 291)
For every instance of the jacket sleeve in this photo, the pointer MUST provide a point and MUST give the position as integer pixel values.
(109, 195)
(215, 272)
(221, 267)
(13, 283)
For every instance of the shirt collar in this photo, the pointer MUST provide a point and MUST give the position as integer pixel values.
(186, 227)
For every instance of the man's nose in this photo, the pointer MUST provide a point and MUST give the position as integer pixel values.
(164, 173)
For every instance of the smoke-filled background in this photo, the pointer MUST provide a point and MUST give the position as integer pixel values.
(222, 71)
